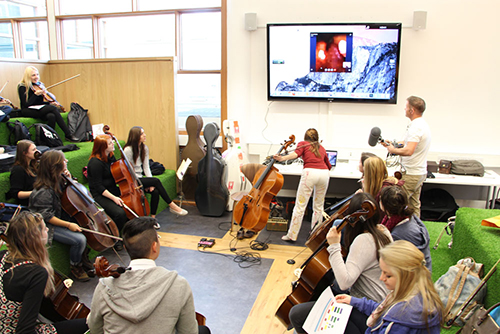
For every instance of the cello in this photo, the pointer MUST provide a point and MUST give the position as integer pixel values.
(131, 189)
(211, 194)
(78, 203)
(317, 266)
(252, 211)
(102, 268)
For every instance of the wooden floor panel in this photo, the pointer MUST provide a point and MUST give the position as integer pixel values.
(276, 287)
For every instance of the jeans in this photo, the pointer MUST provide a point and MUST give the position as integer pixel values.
(75, 240)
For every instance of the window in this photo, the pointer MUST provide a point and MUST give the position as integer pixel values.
(77, 39)
(6, 41)
(69, 7)
(198, 94)
(176, 4)
(14, 9)
(138, 36)
(35, 40)
(201, 41)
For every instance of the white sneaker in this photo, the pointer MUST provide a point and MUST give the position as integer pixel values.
(287, 238)
(181, 213)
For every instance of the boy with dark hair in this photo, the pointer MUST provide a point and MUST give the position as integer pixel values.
(147, 298)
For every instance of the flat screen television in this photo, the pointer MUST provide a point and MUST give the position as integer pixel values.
(335, 62)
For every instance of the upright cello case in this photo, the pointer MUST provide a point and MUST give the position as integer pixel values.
(211, 195)
(195, 151)
(235, 157)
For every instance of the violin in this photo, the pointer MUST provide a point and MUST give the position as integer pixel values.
(60, 304)
(131, 188)
(315, 269)
(252, 211)
(47, 96)
(102, 268)
(99, 229)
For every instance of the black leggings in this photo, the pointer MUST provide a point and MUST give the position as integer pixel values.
(116, 212)
(155, 195)
(50, 114)
(76, 326)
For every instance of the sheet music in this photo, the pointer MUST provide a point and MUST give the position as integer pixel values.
(38, 107)
(182, 168)
(327, 316)
(97, 129)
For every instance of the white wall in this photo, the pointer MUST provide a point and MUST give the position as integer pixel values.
(453, 64)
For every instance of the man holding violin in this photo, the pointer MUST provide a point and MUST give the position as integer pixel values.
(145, 298)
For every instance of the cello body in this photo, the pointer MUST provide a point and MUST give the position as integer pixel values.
(131, 189)
(78, 203)
(211, 195)
(252, 211)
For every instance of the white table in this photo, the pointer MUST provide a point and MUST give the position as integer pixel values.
(345, 176)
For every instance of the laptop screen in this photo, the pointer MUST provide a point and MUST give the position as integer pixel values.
(332, 156)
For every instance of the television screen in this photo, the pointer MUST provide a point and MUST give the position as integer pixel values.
(344, 62)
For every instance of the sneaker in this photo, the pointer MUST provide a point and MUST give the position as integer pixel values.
(287, 238)
(79, 274)
(179, 213)
(72, 139)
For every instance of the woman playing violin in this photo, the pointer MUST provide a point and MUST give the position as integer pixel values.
(138, 154)
(102, 184)
(31, 93)
(23, 172)
(361, 270)
(26, 276)
(46, 200)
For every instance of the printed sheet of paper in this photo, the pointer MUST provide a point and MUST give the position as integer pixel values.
(97, 130)
(38, 107)
(327, 316)
(182, 168)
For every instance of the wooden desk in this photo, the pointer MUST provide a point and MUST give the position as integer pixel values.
(345, 176)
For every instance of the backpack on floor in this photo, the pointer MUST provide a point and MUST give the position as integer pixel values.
(18, 131)
(79, 123)
(437, 205)
(46, 136)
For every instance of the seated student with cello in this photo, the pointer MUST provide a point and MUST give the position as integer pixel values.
(138, 154)
(23, 172)
(46, 200)
(102, 184)
(26, 276)
(147, 298)
(360, 272)
(31, 94)
(412, 306)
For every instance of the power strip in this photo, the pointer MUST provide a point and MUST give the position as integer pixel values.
(204, 242)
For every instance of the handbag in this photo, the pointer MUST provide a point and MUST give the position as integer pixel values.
(467, 167)
(481, 322)
(444, 167)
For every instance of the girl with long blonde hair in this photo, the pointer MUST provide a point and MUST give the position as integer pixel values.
(376, 177)
(33, 104)
(412, 306)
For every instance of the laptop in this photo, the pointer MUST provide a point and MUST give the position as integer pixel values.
(332, 156)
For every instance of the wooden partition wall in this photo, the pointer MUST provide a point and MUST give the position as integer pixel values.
(119, 92)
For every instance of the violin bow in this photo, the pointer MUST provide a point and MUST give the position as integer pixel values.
(3, 87)
(60, 82)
